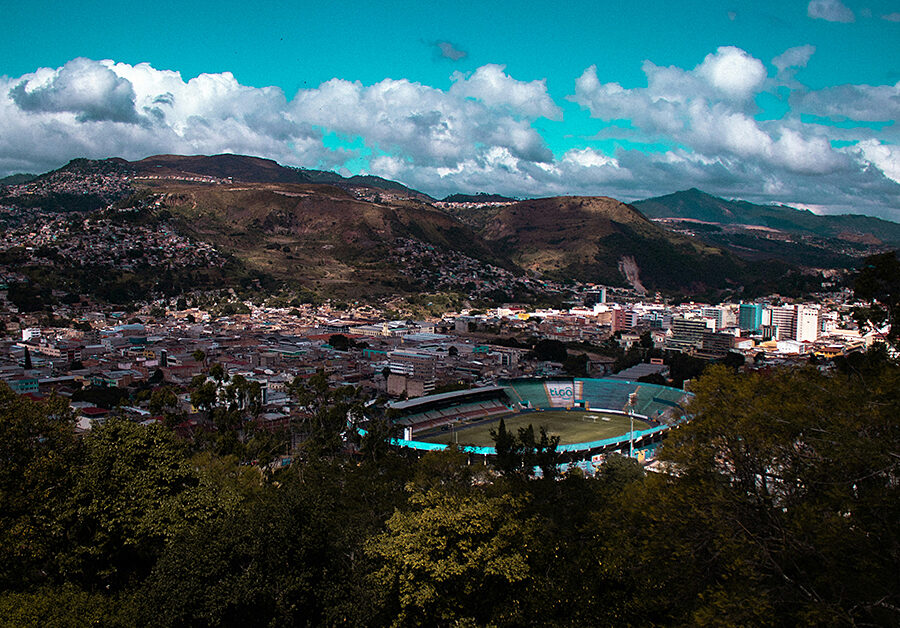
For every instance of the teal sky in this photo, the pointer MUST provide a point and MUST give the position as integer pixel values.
(824, 97)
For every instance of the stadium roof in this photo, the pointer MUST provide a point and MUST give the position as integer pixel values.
(418, 401)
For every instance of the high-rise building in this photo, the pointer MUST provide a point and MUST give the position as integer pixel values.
(750, 316)
(687, 334)
(807, 324)
(715, 313)
(784, 318)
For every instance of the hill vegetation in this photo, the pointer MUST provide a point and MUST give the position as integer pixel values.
(601, 240)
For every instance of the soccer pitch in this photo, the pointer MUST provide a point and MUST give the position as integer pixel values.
(573, 426)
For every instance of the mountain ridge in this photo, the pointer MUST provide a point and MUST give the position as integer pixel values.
(695, 204)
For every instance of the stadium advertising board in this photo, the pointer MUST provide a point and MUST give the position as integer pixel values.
(561, 394)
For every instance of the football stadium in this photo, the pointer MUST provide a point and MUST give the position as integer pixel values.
(592, 417)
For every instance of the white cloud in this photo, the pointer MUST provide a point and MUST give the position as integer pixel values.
(478, 135)
(891, 17)
(885, 157)
(732, 72)
(796, 57)
(830, 11)
(82, 87)
(102, 108)
(857, 102)
(492, 86)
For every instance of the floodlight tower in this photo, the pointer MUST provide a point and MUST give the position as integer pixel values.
(632, 399)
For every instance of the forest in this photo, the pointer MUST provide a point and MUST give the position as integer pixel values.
(780, 505)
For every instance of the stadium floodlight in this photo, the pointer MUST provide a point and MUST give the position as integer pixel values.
(632, 400)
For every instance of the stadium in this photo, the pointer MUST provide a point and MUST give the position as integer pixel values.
(592, 417)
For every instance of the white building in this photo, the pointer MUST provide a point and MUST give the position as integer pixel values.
(807, 323)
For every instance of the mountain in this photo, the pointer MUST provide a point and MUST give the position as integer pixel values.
(365, 236)
(481, 197)
(693, 204)
(319, 235)
(602, 240)
(16, 179)
(260, 170)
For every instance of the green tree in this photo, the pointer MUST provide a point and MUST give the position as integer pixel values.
(783, 508)
(134, 490)
(38, 449)
(878, 282)
(454, 558)
(328, 413)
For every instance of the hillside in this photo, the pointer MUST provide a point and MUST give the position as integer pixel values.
(599, 239)
(320, 236)
(696, 205)
(366, 236)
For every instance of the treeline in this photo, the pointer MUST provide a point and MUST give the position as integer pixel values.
(780, 506)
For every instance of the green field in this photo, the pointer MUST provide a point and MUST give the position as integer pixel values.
(574, 426)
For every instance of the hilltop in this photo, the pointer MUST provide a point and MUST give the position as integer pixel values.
(797, 236)
(602, 240)
(694, 204)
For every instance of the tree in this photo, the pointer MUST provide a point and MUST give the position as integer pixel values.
(784, 504)
(340, 342)
(517, 456)
(452, 558)
(28, 366)
(199, 356)
(329, 413)
(134, 491)
(38, 449)
(550, 351)
(878, 282)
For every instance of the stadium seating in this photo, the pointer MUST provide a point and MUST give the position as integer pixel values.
(530, 393)
(608, 394)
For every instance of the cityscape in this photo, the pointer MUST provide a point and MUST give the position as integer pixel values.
(463, 314)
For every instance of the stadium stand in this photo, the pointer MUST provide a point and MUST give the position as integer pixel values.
(530, 393)
(606, 394)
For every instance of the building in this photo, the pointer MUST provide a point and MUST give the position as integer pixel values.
(750, 316)
(687, 334)
(411, 372)
(716, 314)
(784, 319)
(807, 324)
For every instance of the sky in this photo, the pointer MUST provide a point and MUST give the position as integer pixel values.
(792, 102)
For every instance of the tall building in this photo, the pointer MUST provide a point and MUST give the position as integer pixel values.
(784, 318)
(807, 324)
(715, 313)
(686, 334)
(750, 316)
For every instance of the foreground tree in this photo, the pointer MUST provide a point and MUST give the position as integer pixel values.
(784, 507)
(455, 558)
(878, 283)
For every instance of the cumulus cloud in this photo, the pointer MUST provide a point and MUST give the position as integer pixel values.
(479, 134)
(102, 108)
(82, 87)
(856, 102)
(491, 85)
(830, 11)
(891, 17)
(709, 109)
